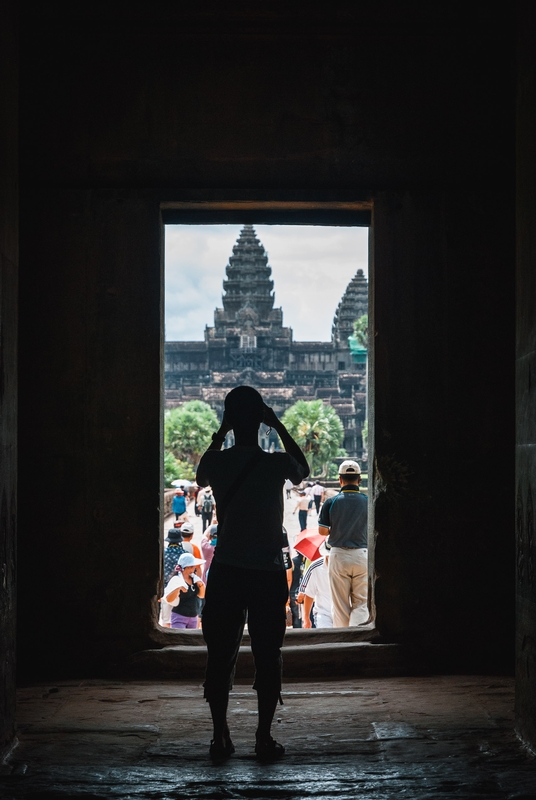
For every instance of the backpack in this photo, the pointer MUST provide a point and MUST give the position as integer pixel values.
(207, 505)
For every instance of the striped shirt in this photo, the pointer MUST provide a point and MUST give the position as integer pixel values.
(315, 584)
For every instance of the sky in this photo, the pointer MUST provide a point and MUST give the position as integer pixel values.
(311, 268)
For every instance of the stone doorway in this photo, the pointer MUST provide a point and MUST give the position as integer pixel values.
(189, 366)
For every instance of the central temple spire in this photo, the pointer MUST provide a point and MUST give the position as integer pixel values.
(248, 283)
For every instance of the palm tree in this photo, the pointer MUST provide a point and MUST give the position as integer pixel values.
(188, 430)
(316, 427)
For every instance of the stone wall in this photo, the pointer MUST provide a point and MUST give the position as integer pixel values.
(168, 497)
(526, 366)
(8, 364)
(440, 422)
(121, 111)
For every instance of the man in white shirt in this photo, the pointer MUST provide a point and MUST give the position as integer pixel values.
(302, 507)
(315, 588)
(318, 493)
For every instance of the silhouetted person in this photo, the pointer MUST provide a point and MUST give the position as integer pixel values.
(247, 576)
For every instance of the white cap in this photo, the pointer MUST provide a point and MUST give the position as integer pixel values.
(349, 468)
(187, 528)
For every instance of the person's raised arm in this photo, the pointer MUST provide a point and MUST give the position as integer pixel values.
(288, 442)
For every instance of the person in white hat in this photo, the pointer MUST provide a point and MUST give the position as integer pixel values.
(184, 591)
(187, 532)
(344, 519)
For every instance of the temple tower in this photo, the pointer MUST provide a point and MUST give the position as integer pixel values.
(353, 304)
(248, 331)
(248, 277)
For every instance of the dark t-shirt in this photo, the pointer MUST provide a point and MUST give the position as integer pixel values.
(188, 605)
(346, 517)
(251, 534)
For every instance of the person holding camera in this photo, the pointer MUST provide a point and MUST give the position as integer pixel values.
(247, 578)
(183, 593)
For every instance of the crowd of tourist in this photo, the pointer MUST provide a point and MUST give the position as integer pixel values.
(316, 600)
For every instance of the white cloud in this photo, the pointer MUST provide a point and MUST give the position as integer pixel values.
(311, 267)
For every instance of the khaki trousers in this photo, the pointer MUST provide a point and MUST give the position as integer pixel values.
(348, 579)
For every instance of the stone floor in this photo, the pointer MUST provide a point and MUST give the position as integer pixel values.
(383, 739)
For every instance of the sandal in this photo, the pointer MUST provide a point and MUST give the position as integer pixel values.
(269, 750)
(219, 752)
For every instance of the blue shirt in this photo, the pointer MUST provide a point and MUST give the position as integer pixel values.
(346, 517)
(178, 504)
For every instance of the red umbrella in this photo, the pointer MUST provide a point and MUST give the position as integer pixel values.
(307, 543)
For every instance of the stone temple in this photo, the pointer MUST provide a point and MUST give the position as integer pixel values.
(248, 344)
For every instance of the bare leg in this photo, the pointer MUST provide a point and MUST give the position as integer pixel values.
(266, 748)
(267, 703)
(221, 746)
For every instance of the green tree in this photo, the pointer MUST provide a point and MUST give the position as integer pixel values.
(316, 427)
(188, 430)
(361, 330)
(174, 469)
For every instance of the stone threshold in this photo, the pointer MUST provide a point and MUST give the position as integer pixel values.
(295, 637)
(302, 662)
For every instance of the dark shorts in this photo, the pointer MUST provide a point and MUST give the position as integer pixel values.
(234, 594)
